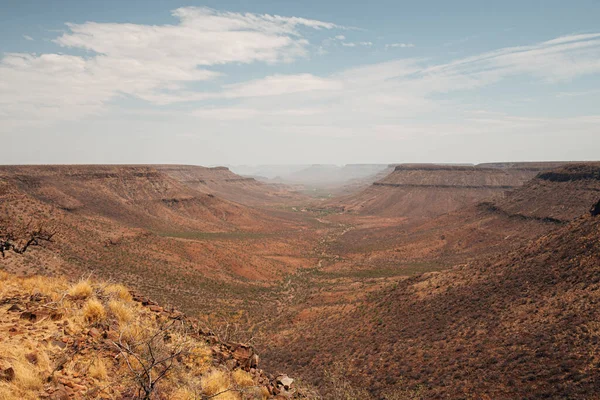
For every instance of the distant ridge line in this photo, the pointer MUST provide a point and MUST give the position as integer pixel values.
(446, 186)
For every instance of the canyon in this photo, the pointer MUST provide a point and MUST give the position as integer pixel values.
(419, 280)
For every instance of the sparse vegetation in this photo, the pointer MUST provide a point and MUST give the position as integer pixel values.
(310, 287)
(93, 311)
(81, 290)
(18, 236)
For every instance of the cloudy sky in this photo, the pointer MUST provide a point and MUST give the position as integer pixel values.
(276, 82)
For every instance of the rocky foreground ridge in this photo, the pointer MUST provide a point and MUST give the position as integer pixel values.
(97, 341)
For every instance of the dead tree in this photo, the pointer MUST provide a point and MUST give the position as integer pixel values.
(19, 237)
(152, 358)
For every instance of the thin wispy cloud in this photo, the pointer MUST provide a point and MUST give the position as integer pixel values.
(399, 45)
(177, 68)
(27, 37)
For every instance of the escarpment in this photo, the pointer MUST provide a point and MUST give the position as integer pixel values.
(429, 190)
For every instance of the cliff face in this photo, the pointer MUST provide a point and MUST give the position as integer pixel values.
(137, 196)
(220, 181)
(426, 190)
(560, 195)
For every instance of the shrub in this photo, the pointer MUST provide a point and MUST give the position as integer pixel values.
(118, 291)
(215, 382)
(81, 290)
(120, 311)
(242, 378)
(98, 370)
(93, 311)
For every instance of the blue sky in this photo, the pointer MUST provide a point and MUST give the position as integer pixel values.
(259, 82)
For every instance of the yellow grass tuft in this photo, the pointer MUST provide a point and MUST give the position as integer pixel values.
(183, 394)
(98, 370)
(118, 291)
(120, 311)
(242, 378)
(81, 290)
(215, 382)
(28, 378)
(93, 311)
(135, 332)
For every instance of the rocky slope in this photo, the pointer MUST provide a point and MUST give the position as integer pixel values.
(94, 340)
(427, 190)
(220, 181)
(143, 228)
(515, 318)
(137, 196)
(520, 326)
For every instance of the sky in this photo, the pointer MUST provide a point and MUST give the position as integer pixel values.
(298, 82)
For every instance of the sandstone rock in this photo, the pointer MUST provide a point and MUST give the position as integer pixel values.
(231, 364)
(28, 316)
(59, 343)
(32, 358)
(94, 332)
(285, 381)
(254, 360)
(60, 394)
(56, 316)
(245, 356)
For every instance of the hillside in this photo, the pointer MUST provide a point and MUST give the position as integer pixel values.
(220, 181)
(428, 190)
(137, 196)
(521, 326)
(299, 280)
(95, 340)
(145, 229)
(515, 322)
(392, 247)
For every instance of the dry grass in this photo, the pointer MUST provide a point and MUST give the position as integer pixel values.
(242, 378)
(93, 311)
(98, 370)
(119, 292)
(107, 306)
(29, 375)
(135, 332)
(215, 382)
(81, 290)
(183, 394)
(121, 311)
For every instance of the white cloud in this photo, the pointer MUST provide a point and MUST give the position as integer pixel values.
(154, 63)
(280, 85)
(27, 37)
(381, 100)
(399, 45)
(355, 44)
